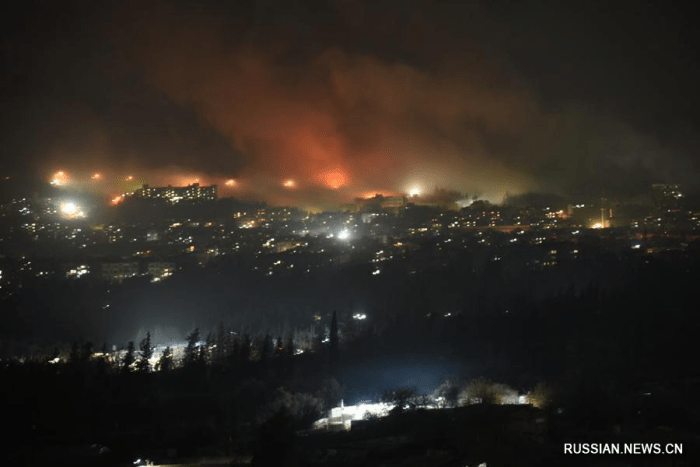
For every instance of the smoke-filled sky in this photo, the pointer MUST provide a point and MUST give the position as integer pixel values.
(341, 98)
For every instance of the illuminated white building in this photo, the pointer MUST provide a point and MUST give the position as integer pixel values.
(174, 194)
(341, 418)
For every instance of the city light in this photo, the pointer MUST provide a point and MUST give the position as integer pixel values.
(231, 182)
(96, 176)
(129, 178)
(344, 234)
(289, 183)
(414, 192)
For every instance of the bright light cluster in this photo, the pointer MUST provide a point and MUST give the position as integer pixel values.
(71, 210)
(79, 271)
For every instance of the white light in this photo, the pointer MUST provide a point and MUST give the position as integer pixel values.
(69, 208)
(359, 316)
(344, 234)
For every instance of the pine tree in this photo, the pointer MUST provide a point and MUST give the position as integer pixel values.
(130, 357)
(207, 353)
(165, 362)
(146, 353)
(289, 348)
(191, 353)
(220, 350)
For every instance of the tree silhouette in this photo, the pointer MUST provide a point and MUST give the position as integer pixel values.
(74, 355)
(289, 348)
(165, 362)
(130, 357)
(220, 349)
(86, 352)
(191, 354)
(207, 353)
(402, 398)
(447, 394)
(266, 348)
(146, 353)
(279, 347)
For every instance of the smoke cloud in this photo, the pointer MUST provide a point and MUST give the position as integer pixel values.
(296, 112)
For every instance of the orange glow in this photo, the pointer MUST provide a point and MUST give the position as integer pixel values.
(187, 180)
(290, 183)
(375, 193)
(129, 178)
(96, 176)
(60, 178)
(117, 200)
(334, 179)
(230, 182)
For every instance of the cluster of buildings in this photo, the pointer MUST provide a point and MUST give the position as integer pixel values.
(175, 194)
(378, 231)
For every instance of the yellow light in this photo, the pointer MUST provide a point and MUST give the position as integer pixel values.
(290, 183)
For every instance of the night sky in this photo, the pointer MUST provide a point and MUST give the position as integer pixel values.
(346, 98)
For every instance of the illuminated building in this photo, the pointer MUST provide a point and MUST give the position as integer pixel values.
(667, 196)
(380, 201)
(174, 194)
(159, 270)
(117, 272)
